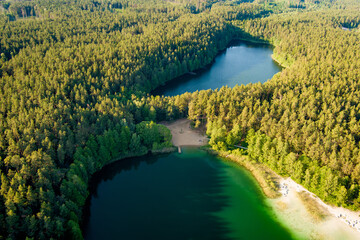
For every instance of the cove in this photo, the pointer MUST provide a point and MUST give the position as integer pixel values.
(192, 195)
(241, 63)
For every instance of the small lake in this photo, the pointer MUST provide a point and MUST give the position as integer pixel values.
(241, 63)
(192, 195)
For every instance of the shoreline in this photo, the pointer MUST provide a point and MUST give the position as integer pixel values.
(266, 178)
(283, 64)
(306, 215)
(300, 210)
(258, 41)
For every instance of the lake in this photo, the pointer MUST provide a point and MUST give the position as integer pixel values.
(192, 195)
(241, 63)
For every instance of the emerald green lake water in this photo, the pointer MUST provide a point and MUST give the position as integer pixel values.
(193, 195)
(241, 63)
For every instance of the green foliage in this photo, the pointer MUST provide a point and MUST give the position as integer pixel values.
(75, 230)
(153, 136)
(74, 84)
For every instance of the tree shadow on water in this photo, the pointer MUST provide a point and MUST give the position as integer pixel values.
(176, 198)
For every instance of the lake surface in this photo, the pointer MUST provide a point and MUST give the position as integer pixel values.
(193, 195)
(241, 63)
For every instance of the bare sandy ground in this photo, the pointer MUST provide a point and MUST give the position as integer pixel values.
(341, 224)
(184, 135)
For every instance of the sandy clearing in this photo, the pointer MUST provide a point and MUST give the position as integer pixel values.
(184, 135)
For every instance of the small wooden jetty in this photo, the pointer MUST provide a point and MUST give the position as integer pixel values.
(179, 149)
(240, 147)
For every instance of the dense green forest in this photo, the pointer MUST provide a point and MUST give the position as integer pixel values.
(304, 123)
(75, 83)
(72, 84)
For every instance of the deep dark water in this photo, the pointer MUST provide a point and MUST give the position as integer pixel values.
(241, 63)
(193, 195)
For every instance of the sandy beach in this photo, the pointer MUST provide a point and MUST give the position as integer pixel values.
(339, 223)
(184, 135)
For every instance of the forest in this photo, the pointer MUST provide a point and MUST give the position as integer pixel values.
(75, 83)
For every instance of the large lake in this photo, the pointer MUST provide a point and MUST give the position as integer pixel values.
(241, 63)
(192, 195)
